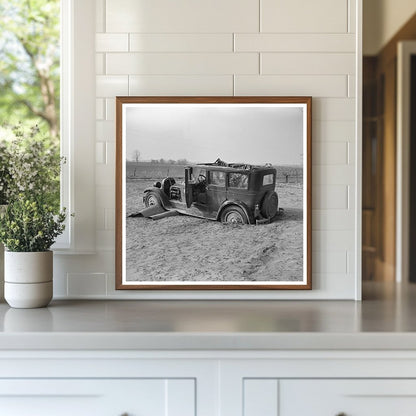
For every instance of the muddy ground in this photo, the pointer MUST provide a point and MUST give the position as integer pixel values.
(191, 249)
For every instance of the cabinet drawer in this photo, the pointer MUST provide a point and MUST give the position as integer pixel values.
(347, 397)
(86, 397)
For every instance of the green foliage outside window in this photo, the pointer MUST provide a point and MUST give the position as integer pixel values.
(29, 76)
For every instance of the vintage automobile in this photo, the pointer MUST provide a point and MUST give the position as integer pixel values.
(227, 192)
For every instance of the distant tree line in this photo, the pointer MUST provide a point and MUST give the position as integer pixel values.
(161, 161)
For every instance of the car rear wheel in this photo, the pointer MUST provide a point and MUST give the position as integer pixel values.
(151, 199)
(233, 215)
(270, 205)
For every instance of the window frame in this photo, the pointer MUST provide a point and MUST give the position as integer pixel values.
(77, 98)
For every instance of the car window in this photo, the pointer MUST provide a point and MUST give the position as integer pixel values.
(268, 179)
(238, 180)
(199, 174)
(217, 178)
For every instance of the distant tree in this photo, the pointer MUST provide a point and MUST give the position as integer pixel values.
(136, 156)
(30, 62)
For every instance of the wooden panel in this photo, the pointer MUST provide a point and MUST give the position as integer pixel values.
(412, 222)
(386, 186)
(407, 32)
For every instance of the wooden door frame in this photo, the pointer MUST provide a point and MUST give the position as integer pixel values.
(404, 50)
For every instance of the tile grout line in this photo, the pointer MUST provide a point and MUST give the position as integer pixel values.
(348, 16)
(104, 17)
(260, 20)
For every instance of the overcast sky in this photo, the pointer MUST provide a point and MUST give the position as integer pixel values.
(201, 133)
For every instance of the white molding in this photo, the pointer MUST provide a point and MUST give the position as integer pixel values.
(404, 50)
(358, 153)
(78, 124)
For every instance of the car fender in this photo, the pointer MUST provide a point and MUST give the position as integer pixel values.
(165, 200)
(240, 204)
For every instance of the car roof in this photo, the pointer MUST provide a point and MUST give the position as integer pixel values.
(234, 167)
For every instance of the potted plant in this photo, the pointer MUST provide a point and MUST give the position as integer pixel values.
(32, 220)
(5, 180)
(28, 229)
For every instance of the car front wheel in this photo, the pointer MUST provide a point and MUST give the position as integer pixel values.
(151, 199)
(233, 215)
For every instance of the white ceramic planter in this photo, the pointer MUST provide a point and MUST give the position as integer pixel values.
(28, 279)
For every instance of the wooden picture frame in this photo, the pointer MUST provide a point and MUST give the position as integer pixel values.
(187, 220)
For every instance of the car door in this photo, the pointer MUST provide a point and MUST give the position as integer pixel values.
(216, 189)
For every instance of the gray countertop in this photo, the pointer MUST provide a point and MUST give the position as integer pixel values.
(385, 319)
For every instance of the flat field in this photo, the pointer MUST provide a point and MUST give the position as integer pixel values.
(184, 248)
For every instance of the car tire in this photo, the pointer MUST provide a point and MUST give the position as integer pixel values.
(152, 199)
(270, 205)
(233, 215)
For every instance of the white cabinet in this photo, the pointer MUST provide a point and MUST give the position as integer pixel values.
(207, 383)
(348, 397)
(82, 397)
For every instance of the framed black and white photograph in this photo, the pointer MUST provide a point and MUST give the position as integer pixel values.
(213, 193)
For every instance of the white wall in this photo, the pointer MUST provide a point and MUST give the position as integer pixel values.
(381, 20)
(232, 47)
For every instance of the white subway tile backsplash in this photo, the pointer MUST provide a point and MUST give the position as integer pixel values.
(105, 174)
(330, 197)
(181, 85)
(333, 175)
(86, 284)
(110, 153)
(330, 153)
(329, 240)
(105, 240)
(105, 196)
(350, 262)
(307, 63)
(352, 16)
(99, 109)
(100, 15)
(182, 63)
(109, 218)
(99, 63)
(105, 130)
(333, 219)
(330, 109)
(100, 218)
(186, 48)
(351, 86)
(294, 42)
(300, 16)
(182, 16)
(112, 42)
(311, 85)
(343, 131)
(329, 262)
(183, 42)
(100, 152)
(111, 86)
(110, 109)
